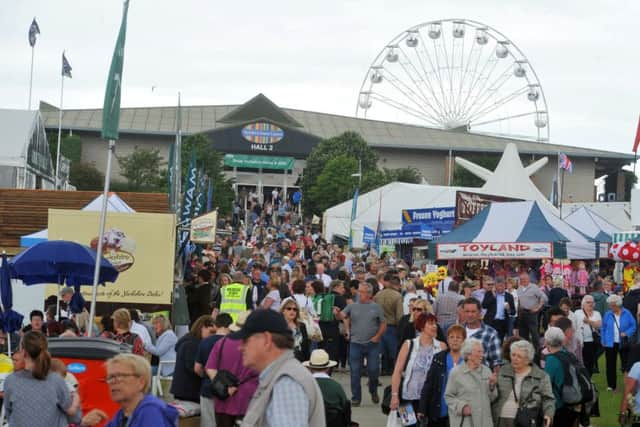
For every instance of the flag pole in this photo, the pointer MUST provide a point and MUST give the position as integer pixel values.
(59, 130)
(103, 220)
(33, 50)
(562, 194)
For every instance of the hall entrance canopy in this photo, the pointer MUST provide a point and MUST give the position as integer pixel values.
(272, 164)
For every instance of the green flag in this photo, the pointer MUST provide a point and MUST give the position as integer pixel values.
(111, 108)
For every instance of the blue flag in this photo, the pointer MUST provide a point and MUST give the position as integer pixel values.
(354, 210)
(210, 196)
(202, 182)
(66, 67)
(187, 204)
(34, 30)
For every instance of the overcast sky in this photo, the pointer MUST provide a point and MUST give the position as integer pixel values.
(314, 55)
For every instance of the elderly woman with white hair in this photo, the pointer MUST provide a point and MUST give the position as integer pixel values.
(522, 384)
(555, 361)
(471, 388)
(165, 345)
(588, 323)
(618, 330)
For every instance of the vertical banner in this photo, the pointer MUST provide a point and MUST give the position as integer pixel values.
(354, 210)
(187, 204)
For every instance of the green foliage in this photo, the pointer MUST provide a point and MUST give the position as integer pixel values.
(335, 183)
(464, 178)
(85, 176)
(71, 147)
(409, 175)
(211, 162)
(630, 181)
(349, 144)
(141, 169)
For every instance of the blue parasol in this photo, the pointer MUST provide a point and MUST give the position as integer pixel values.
(60, 261)
(10, 321)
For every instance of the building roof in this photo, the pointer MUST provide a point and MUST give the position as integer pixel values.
(379, 134)
(17, 129)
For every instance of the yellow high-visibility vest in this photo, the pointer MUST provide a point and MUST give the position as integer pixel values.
(233, 299)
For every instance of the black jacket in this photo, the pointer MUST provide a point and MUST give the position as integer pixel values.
(186, 383)
(433, 388)
(631, 301)
(490, 304)
(555, 295)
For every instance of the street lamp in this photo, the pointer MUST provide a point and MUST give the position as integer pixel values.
(359, 174)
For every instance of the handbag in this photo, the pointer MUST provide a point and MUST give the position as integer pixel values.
(386, 394)
(526, 417)
(625, 342)
(223, 380)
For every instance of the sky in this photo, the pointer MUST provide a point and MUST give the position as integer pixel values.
(314, 55)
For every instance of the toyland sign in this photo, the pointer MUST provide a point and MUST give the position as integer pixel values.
(494, 250)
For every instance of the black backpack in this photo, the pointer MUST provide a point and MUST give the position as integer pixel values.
(578, 387)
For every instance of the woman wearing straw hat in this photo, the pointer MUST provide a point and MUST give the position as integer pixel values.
(336, 405)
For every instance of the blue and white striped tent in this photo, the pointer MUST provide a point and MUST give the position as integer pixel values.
(515, 230)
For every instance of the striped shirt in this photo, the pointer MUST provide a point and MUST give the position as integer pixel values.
(446, 307)
(529, 297)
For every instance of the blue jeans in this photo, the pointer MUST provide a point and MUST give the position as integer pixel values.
(510, 325)
(389, 344)
(357, 353)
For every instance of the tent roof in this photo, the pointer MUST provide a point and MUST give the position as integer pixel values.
(592, 224)
(519, 222)
(114, 204)
(17, 128)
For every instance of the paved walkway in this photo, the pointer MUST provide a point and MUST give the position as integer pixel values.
(368, 414)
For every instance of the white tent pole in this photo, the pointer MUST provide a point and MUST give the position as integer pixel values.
(103, 219)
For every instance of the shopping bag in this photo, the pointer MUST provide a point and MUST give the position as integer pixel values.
(393, 420)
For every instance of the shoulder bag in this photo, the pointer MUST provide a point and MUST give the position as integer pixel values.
(526, 417)
(223, 380)
(386, 395)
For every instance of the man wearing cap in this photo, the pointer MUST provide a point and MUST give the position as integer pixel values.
(287, 394)
(337, 408)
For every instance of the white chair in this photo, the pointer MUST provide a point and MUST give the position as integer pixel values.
(156, 381)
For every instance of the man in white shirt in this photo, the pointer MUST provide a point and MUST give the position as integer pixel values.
(139, 329)
(321, 275)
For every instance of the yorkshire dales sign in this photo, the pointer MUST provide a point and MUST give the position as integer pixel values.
(494, 250)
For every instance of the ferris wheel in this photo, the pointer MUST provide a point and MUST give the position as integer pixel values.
(456, 74)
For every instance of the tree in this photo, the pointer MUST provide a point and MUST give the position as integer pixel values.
(71, 147)
(85, 176)
(348, 144)
(141, 169)
(464, 178)
(334, 184)
(630, 181)
(409, 175)
(211, 162)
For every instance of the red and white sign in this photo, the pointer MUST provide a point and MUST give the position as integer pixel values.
(494, 250)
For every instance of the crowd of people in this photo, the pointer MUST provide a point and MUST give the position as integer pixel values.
(265, 316)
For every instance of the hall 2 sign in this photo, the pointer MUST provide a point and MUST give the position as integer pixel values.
(494, 250)
(262, 135)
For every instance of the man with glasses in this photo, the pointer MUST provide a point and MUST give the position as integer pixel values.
(287, 393)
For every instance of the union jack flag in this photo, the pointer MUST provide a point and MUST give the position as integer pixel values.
(34, 30)
(565, 163)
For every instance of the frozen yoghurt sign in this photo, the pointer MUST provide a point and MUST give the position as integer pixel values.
(494, 250)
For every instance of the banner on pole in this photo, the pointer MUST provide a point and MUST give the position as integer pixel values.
(203, 228)
(368, 235)
(470, 204)
(111, 107)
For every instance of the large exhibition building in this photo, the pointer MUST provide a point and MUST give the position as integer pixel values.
(266, 145)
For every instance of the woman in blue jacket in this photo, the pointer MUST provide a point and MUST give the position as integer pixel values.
(618, 331)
